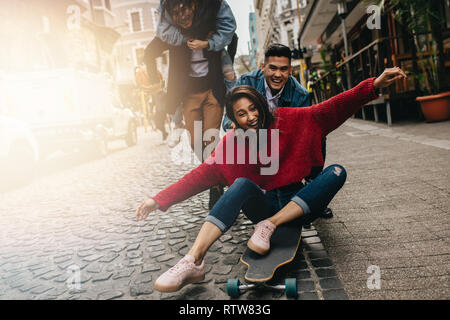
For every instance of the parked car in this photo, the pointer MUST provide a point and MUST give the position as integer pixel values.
(61, 110)
(19, 152)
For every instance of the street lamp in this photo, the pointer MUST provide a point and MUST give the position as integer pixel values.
(342, 12)
(342, 7)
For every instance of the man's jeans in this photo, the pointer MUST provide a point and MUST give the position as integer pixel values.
(259, 205)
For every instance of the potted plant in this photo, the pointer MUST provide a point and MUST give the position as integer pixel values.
(424, 20)
(332, 84)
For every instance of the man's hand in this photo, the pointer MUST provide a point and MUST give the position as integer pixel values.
(195, 44)
(389, 76)
(146, 208)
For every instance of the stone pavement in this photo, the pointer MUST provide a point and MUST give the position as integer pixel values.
(393, 213)
(72, 233)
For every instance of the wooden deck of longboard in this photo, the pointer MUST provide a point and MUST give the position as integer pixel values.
(283, 247)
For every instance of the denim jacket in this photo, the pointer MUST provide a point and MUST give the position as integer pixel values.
(168, 32)
(294, 95)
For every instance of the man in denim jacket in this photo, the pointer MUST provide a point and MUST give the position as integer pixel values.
(275, 82)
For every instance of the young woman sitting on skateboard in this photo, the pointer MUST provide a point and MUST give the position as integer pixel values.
(268, 200)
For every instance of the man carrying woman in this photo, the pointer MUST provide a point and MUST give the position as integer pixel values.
(196, 64)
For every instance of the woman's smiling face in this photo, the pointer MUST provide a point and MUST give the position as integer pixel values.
(183, 15)
(246, 114)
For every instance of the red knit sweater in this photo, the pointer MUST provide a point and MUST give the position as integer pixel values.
(301, 131)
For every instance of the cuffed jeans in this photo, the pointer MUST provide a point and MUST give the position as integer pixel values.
(259, 205)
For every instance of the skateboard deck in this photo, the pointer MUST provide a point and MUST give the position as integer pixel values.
(284, 244)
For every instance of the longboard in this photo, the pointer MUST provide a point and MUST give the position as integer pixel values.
(284, 245)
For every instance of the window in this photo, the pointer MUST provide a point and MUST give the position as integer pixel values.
(136, 24)
(286, 4)
(155, 17)
(258, 5)
(139, 55)
(291, 39)
(108, 4)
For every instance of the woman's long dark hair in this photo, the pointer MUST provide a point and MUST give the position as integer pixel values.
(265, 118)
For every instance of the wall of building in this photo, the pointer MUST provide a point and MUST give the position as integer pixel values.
(276, 22)
(253, 45)
(45, 34)
(134, 36)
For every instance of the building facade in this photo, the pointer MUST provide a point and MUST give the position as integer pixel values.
(253, 44)
(44, 34)
(357, 40)
(266, 26)
(136, 21)
(288, 17)
(278, 22)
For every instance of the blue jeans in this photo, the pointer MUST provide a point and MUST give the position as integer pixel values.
(259, 205)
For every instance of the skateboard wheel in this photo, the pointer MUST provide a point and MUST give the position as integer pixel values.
(233, 288)
(291, 288)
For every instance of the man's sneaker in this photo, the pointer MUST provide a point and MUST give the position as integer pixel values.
(183, 273)
(260, 240)
(327, 213)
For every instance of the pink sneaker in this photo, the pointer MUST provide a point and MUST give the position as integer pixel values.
(183, 273)
(260, 240)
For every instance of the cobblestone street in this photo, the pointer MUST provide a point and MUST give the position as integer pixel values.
(94, 96)
(79, 221)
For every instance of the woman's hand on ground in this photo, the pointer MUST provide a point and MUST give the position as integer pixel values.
(146, 207)
(195, 44)
(389, 76)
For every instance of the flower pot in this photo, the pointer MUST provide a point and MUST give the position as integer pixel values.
(435, 107)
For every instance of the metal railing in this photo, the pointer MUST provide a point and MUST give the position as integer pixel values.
(368, 62)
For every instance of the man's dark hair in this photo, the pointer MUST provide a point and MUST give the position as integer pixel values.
(278, 50)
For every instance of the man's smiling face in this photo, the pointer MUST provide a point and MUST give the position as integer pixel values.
(276, 71)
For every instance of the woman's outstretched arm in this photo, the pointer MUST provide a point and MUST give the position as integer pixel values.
(198, 180)
(333, 112)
